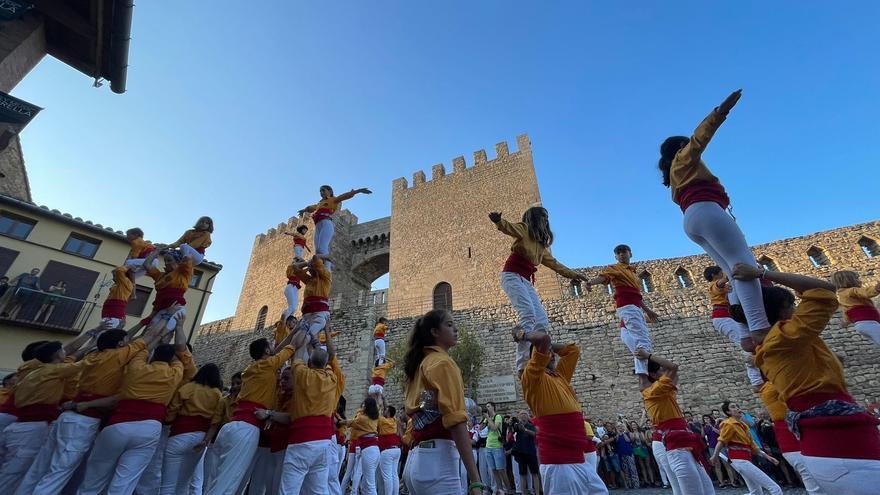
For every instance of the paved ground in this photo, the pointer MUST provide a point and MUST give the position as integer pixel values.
(725, 491)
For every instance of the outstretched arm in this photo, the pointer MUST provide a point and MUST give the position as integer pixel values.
(670, 367)
(353, 193)
(78, 343)
(597, 280)
(693, 150)
(800, 283)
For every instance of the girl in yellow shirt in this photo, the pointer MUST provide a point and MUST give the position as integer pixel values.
(196, 240)
(857, 305)
(322, 214)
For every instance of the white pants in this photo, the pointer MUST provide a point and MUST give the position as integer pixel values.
(323, 235)
(352, 472)
(291, 293)
(870, 329)
(849, 476)
(69, 441)
(120, 456)
(180, 461)
(388, 460)
(692, 478)
(305, 468)
(735, 332)
(234, 449)
(757, 481)
(433, 471)
(369, 463)
(197, 482)
(151, 480)
(262, 473)
(112, 323)
(708, 225)
(312, 324)
(138, 265)
(634, 334)
(663, 463)
(298, 251)
(571, 479)
(170, 316)
(335, 454)
(529, 311)
(797, 461)
(485, 470)
(21, 444)
(5, 420)
(379, 345)
(196, 256)
(592, 460)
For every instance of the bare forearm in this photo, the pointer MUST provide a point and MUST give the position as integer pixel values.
(463, 444)
(799, 283)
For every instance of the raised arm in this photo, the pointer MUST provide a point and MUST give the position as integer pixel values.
(353, 193)
(328, 341)
(693, 150)
(552, 263)
(506, 227)
(80, 342)
(671, 369)
(800, 283)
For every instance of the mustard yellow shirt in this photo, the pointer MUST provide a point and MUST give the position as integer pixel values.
(717, 295)
(315, 391)
(857, 296)
(178, 278)
(362, 425)
(660, 401)
(193, 399)
(794, 357)
(154, 382)
(197, 239)
(103, 370)
(527, 247)
(281, 331)
(438, 373)
(380, 331)
(223, 411)
(122, 286)
(387, 426)
(547, 394)
(45, 385)
(382, 369)
(138, 246)
(332, 203)
(258, 382)
(687, 166)
(775, 405)
(620, 274)
(733, 430)
(317, 285)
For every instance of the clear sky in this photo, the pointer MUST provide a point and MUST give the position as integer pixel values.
(241, 110)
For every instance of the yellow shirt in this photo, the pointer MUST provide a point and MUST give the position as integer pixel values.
(775, 405)
(387, 426)
(317, 285)
(857, 296)
(547, 394)
(733, 430)
(407, 433)
(154, 382)
(620, 274)
(45, 385)
(795, 358)
(332, 203)
(589, 429)
(122, 286)
(362, 425)
(193, 399)
(197, 239)
(258, 382)
(223, 411)
(382, 369)
(138, 246)
(660, 402)
(102, 371)
(438, 373)
(281, 331)
(687, 166)
(380, 331)
(527, 247)
(315, 391)
(717, 295)
(175, 279)
(4, 394)
(71, 383)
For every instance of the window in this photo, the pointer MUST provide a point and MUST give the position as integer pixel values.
(7, 256)
(261, 318)
(647, 282)
(81, 245)
(196, 279)
(869, 247)
(576, 290)
(469, 252)
(818, 257)
(15, 226)
(135, 307)
(609, 289)
(78, 283)
(768, 263)
(684, 278)
(443, 296)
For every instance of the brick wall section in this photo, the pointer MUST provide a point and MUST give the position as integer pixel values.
(711, 367)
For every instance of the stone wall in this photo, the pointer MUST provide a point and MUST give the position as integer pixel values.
(711, 367)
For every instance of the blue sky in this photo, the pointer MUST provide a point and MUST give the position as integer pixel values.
(241, 111)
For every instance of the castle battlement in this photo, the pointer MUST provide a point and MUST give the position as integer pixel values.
(438, 171)
(341, 216)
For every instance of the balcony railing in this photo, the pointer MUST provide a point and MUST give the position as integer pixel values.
(44, 310)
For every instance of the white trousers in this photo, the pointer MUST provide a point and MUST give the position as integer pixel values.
(432, 471)
(592, 460)
(756, 480)
(692, 478)
(234, 449)
(194, 255)
(311, 323)
(663, 463)
(70, 439)
(369, 464)
(708, 225)
(849, 476)
(571, 479)
(305, 468)
(529, 311)
(298, 251)
(388, 460)
(634, 334)
(138, 265)
(151, 481)
(797, 461)
(291, 293)
(323, 235)
(179, 462)
(735, 332)
(334, 463)
(197, 482)
(5, 420)
(379, 346)
(120, 456)
(21, 444)
(352, 472)
(870, 329)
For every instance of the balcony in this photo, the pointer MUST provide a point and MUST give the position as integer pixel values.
(45, 311)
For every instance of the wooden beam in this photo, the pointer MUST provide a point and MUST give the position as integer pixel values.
(61, 12)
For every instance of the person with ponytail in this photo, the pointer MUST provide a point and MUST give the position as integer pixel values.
(740, 448)
(434, 398)
(857, 305)
(363, 450)
(531, 247)
(704, 202)
(839, 440)
(322, 214)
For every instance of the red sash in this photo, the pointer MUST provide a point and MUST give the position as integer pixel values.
(562, 438)
(703, 191)
(310, 428)
(244, 411)
(8, 407)
(378, 380)
(201, 250)
(389, 441)
(278, 437)
(137, 410)
(38, 412)
(678, 436)
(91, 412)
(189, 424)
(433, 431)
(656, 436)
(322, 214)
(739, 451)
(165, 298)
(295, 281)
(315, 304)
(786, 440)
(113, 308)
(340, 437)
(863, 313)
(146, 252)
(625, 295)
(720, 311)
(518, 264)
(591, 446)
(847, 437)
(379, 334)
(298, 241)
